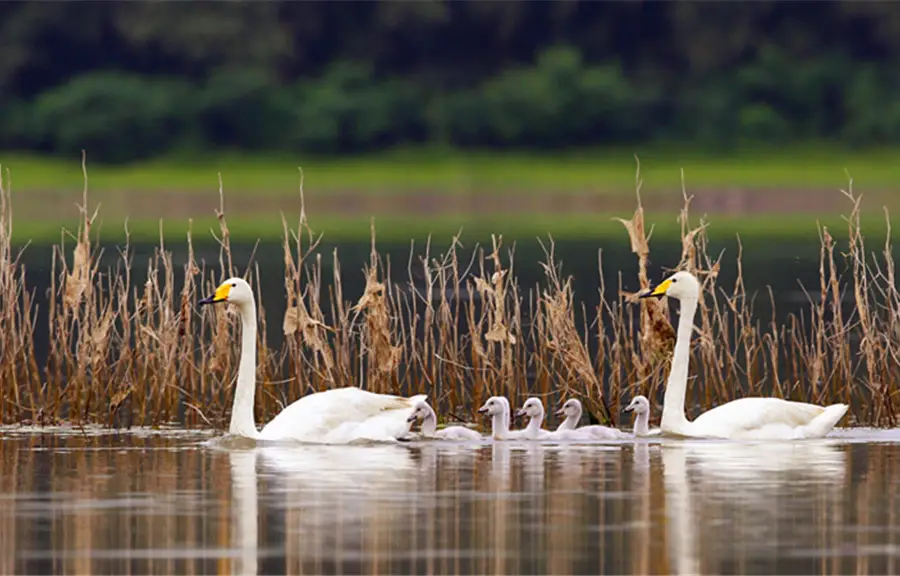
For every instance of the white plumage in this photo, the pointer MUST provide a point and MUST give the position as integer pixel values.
(425, 413)
(745, 418)
(572, 410)
(336, 416)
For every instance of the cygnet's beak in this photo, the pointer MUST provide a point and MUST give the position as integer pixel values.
(519, 413)
(560, 411)
(483, 410)
(412, 418)
(629, 408)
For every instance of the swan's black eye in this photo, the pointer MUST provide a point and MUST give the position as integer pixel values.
(674, 280)
(234, 284)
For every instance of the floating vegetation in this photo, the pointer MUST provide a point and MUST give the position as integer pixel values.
(144, 355)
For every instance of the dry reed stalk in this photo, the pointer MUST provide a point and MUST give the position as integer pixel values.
(123, 354)
(302, 325)
(565, 341)
(377, 341)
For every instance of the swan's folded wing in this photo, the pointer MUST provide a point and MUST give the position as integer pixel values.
(312, 417)
(756, 413)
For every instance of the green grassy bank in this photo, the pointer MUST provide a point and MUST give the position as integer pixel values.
(472, 228)
(448, 172)
(257, 190)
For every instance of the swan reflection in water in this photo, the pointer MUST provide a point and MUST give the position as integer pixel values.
(317, 487)
(743, 487)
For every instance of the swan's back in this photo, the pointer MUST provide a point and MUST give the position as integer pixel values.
(603, 432)
(457, 433)
(768, 418)
(749, 413)
(570, 435)
(342, 415)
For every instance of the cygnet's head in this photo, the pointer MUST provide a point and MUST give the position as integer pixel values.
(572, 407)
(495, 405)
(234, 290)
(421, 411)
(680, 285)
(639, 405)
(531, 408)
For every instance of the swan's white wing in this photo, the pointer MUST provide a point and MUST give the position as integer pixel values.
(314, 417)
(746, 414)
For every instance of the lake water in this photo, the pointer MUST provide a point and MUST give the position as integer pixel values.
(94, 501)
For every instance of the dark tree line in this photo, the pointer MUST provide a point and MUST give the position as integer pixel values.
(130, 80)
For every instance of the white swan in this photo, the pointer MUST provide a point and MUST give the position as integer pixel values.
(333, 417)
(572, 410)
(497, 407)
(745, 418)
(429, 429)
(641, 408)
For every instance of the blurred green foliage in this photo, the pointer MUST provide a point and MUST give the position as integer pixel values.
(129, 81)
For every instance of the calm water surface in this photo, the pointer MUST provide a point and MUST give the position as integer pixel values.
(159, 502)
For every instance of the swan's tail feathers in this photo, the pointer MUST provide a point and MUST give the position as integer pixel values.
(400, 403)
(412, 400)
(824, 422)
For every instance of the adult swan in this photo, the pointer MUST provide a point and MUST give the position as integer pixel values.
(745, 418)
(334, 416)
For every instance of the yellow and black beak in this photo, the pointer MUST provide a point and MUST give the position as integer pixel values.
(221, 295)
(658, 291)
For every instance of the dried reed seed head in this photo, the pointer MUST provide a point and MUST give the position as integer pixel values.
(78, 279)
(100, 330)
(500, 333)
(635, 227)
(296, 318)
(373, 293)
(483, 286)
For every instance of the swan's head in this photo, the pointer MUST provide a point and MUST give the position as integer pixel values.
(421, 411)
(531, 408)
(680, 285)
(234, 290)
(572, 407)
(495, 405)
(639, 405)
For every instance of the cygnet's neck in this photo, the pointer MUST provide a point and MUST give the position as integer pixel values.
(642, 423)
(571, 421)
(500, 425)
(242, 422)
(429, 423)
(535, 423)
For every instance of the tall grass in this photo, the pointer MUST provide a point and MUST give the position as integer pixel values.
(124, 354)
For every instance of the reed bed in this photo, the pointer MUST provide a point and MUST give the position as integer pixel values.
(123, 354)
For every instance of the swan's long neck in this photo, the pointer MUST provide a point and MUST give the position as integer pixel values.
(673, 417)
(500, 425)
(642, 423)
(429, 423)
(242, 423)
